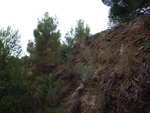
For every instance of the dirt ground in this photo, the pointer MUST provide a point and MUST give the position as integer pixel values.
(120, 63)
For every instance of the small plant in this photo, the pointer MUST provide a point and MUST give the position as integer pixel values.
(82, 45)
(90, 56)
(83, 70)
(69, 56)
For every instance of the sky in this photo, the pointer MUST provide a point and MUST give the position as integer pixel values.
(22, 15)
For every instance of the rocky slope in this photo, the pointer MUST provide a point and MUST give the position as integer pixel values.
(120, 63)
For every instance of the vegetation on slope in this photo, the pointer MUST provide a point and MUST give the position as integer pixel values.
(106, 72)
(29, 84)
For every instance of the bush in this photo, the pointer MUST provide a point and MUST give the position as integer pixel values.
(83, 70)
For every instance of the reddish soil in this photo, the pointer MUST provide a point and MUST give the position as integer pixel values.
(120, 62)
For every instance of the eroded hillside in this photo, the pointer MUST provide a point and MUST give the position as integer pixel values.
(120, 62)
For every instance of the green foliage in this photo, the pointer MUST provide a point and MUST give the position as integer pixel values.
(9, 42)
(12, 73)
(74, 35)
(48, 92)
(70, 38)
(66, 52)
(45, 50)
(17, 93)
(31, 47)
(126, 10)
(22, 96)
(83, 70)
(10, 64)
(81, 31)
(60, 109)
(90, 56)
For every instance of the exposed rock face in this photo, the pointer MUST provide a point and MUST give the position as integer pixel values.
(120, 60)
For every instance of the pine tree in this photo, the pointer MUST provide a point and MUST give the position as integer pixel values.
(126, 10)
(46, 46)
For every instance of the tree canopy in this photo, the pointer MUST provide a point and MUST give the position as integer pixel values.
(18, 92)
(45, 48)
(28, 84)
(126, 10)
(9, 41)
(80, 31)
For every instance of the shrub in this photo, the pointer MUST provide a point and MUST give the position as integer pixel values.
(90, 56)
(83, 70)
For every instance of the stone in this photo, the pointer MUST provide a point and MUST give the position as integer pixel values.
(142, 47)
(108, 39)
